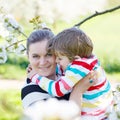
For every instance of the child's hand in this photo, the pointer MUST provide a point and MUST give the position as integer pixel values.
(31, 73)
(83, 85)
(29, 68)
(87, 82)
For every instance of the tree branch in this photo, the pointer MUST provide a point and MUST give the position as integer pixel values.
(15, 43)
(96, 14)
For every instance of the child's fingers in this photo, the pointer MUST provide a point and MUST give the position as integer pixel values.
(93, 77)
(29, 68)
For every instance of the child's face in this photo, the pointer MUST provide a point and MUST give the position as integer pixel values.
(63, 61)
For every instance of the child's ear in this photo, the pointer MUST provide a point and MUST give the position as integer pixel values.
(77, 57)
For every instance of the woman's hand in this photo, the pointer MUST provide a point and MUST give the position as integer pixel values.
(82, 86)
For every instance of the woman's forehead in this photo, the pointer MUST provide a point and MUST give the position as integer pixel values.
(39, 43)
(38, 46)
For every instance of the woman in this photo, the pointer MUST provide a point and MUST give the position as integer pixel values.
(44, 64)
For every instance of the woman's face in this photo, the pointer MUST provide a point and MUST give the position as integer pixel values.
(42, 62)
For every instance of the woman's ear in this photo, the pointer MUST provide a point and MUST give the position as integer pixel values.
(77, 57)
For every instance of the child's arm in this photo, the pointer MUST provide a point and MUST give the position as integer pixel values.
(61, 86)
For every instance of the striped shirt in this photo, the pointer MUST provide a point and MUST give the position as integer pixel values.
(31, 93)
(96, 100)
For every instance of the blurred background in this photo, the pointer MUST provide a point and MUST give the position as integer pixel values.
(104, 30)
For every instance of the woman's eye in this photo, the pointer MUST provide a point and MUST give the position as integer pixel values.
(35, 56)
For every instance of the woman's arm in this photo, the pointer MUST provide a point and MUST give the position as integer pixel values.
(82, 86)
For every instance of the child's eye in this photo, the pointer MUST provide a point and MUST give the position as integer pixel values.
(49, 54)
(59, 58)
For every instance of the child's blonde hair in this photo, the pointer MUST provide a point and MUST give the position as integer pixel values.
(71, 42)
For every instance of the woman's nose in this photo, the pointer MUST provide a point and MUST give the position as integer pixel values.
(42, 61)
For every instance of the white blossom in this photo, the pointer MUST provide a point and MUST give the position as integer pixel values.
(1, 17)
(52, 108)
(3, 54)
(11, 39)
(11, 32)
(113, 116)
(11, 49)
(11, 24)
(43, 25)
(3, 31)
(20, 49)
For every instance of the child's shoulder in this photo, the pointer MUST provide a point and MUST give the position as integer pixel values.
(89, 60)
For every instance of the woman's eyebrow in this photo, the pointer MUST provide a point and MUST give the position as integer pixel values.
(34, 54)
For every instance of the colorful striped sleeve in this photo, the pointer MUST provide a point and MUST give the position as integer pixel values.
(74, 73)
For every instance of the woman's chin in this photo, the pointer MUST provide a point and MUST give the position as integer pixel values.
(44, 74)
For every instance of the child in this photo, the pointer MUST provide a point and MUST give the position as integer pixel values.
(73, 49)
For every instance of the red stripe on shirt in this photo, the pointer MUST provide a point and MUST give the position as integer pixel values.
(96, 113)
(85, 65)
(66, 86)
(37, 81)
(92, 64)
(97, 86)
(62, 71)
(58, 91)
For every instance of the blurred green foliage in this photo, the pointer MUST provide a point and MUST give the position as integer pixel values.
(20, 60)
(111, 66)
(14, 68)
(13, 72)
(10, 105)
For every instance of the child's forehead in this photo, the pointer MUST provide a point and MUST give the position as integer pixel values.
(59, 53)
